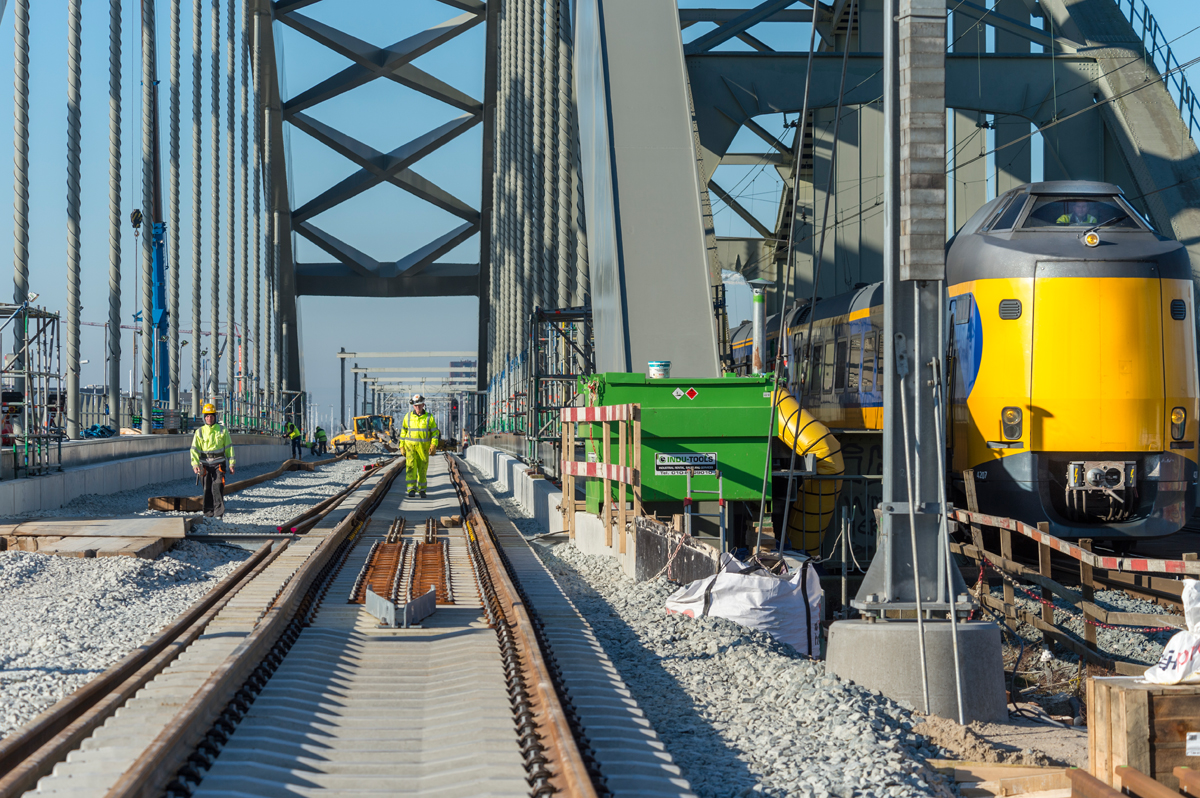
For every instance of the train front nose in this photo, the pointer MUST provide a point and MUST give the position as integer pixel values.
(1102, 495)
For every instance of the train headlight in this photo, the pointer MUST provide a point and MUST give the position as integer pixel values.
(1091, 238)
(1178, 423)
(1010, 421)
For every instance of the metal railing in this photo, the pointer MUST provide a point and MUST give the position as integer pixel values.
(1158, 53)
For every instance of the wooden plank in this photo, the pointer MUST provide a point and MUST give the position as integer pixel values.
(1088, 589)
(1044, 570)
(1131, 618)
(1135, 782)
(623, 444)
(1054, 779)
(606, 493)
(1006, 550)
(637, 461)
(1097, 712)
(1135, 731)
(101, 527)
(1189, 780)
(1017, 569)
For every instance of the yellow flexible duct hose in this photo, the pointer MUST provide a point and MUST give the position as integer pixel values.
(812, 511)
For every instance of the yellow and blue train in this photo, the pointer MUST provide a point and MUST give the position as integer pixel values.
(1071, 358)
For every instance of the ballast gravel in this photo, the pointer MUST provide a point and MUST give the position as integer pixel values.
(64, 620)
(741, 713)
(1136, 644)
(257, 509)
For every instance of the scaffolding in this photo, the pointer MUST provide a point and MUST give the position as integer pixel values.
(33, 399)
(560, 352)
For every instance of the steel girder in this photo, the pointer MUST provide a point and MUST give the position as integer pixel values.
(353, 273)
(729, 89)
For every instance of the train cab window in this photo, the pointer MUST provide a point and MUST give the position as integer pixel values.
(1008, 218)
(868, 363)
(1077, 212)
(827, 367)
(843, 363)
(855, 367)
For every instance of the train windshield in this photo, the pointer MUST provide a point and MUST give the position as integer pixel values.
(1076, 212)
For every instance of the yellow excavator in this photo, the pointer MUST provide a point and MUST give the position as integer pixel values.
(366, 435)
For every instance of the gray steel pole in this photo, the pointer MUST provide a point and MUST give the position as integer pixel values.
(148, 163)
(20, 184)
(173, 202)
(244, 54)
(74, 75)
(342, 360)
(231, 342)
(197, 204)
(114, 215)
(215, 205)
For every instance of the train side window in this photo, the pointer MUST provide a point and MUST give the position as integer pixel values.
(1009, 217)
(827, 367)
(843, 363)
(881, 369)
(868, 362)
(852, 376)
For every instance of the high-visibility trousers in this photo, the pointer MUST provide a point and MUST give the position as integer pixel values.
(416, 465)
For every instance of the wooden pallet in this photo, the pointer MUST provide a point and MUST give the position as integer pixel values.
(1142, 726)
(95, 537)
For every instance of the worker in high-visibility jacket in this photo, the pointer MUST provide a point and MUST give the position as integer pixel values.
(321, 441)
(212, 456)
(419, 435)
(293, 432)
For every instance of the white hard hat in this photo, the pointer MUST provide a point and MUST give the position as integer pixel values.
(418, 399)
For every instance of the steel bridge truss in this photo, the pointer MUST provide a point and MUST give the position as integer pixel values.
(352, 272)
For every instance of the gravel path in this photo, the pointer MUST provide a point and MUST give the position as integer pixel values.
(741, 713)
(64, 620)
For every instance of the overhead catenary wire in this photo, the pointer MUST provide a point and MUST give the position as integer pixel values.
(799, 149)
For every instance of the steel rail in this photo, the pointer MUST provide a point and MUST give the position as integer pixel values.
(307, 519)
(567, 771)
(154, 769)
(34, 750)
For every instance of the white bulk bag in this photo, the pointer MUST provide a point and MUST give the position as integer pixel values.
(786, 607)
(1180, 661)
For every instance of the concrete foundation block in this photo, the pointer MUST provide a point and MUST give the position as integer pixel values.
(885, 656)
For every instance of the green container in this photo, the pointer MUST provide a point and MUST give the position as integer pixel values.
(722, 420)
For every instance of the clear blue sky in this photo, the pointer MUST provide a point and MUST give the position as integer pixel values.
(385, 222)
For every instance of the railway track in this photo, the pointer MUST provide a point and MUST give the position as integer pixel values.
(280, 683)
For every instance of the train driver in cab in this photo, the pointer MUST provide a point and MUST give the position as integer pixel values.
(1078, 213)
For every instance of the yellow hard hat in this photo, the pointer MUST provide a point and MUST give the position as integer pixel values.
(208, 409)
